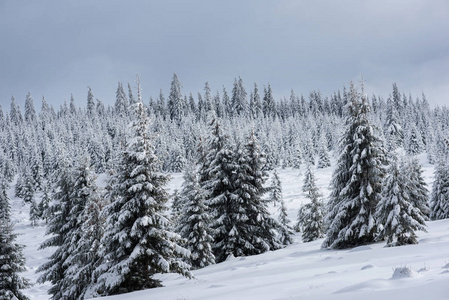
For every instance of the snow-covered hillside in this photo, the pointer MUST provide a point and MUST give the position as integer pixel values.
(299, 271)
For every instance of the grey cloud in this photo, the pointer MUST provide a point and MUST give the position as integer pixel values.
(55, 48)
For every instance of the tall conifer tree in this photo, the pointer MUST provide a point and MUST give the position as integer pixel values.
(12, 260)
(137, 240)
(356, 182)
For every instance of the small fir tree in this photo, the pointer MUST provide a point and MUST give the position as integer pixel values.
(286, 232)
(323, 155)
(193, 222)
(276, 189)
(418, 192)
(439, 200)
(313, 219)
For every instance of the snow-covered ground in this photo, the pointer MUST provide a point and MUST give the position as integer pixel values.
(300, 271)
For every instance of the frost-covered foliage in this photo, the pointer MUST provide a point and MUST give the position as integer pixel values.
(357, 180)
(313, 212)
(439, 201)
(137, 241)
(396, 214)
(193, 222)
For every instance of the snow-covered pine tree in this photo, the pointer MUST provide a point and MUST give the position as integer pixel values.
(193, 222)
(175, 100)
(323, 155)
(414, 144)
(5, 206)
(35, 212)
(254, 230)
(276, 189)
(137, 242)
(79, 245)
(418, 192)
(357, 180)
(177, 206)
(12, 260)
(44, 204)
(313, 219)
(296, 154)
(393, 130)
(301, 217)
(121, 102)
(286, 232)
(396, 213)
(238, 99)
(268, 104)
(53, 270)
(439, 199)
(216, 172)
(30, 112)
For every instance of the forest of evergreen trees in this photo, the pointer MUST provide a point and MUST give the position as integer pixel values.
(113, 239)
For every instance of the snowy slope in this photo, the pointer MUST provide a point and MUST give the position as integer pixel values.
(300, 271)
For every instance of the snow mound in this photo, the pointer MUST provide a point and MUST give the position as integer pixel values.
(366, 267)
(404, 272)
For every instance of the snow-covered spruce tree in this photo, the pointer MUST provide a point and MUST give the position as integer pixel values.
(418, 192)
(323, 155)
(313, 219)
(78, 243)
(44, 204)
(357, 180)
(137, 242)
(53, 270)
(414, 144)
(393, 131)
(396, 214)
(257, 232)
(276, 189)
(12, 260)
(439, 199)
(177, 206)
(175, 100)
(300, 220)
(286, 232)
(35, 212)
(216, 172)
(193, 222)
(232, 180)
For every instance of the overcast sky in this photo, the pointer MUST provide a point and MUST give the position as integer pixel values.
(55, 48)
